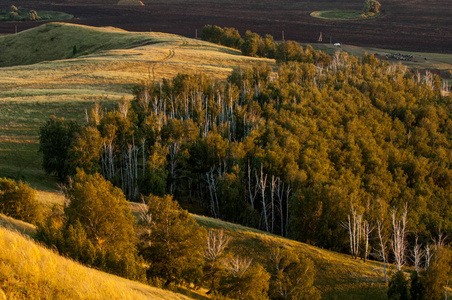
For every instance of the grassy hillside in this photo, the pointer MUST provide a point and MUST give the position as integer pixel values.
(30, 271)
(29, 94)
(57, 41)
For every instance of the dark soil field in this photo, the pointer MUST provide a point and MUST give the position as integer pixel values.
(412, 25)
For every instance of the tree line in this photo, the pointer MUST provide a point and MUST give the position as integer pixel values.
(252, 44)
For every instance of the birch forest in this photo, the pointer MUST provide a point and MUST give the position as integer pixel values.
(301, 149)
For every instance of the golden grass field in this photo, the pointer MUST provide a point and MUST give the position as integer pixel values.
(30, 271)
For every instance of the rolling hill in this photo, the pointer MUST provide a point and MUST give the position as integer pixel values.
(107, 63)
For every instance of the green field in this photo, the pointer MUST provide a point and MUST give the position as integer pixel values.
(43, 15)
(343, 15)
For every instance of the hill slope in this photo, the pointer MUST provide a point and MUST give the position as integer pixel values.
(338, 276)
(30, 271)
(54, 41)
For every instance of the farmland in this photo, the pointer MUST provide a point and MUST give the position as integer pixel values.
(412, 25)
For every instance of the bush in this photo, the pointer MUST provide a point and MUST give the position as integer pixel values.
(244, 280)
(398, 287)
(18, 200)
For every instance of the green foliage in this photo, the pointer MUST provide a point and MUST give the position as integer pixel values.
(287, 150)
(18, 200)
(55, 139)
(398, 287)
(254, 45)
(292, 277)
(171, 242)
(417, 287)
(86, 149)
(212, 33)
(96, 228)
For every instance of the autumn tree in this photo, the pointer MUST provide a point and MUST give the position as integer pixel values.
(171, 241)
(18, 200)
(97, 227)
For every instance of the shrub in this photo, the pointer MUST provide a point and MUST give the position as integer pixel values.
(398, 287)
(18, 200)
(244, 280)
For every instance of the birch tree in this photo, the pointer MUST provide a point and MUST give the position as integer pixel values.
(398, 237)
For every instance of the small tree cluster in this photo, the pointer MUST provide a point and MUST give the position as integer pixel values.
(18, 200)
(252, 44)
(228, 37)
(371, 6)
(96, 228)
(33, 15)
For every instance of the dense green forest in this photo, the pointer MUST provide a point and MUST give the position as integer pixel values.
(291, 151)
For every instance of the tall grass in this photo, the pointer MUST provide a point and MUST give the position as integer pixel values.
(30, 271)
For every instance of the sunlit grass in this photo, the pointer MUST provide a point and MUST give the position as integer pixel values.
(30, 271)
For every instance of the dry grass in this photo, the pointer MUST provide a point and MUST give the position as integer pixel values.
(30, 271)
(16, 225)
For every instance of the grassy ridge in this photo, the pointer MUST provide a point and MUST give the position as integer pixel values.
(57, 41)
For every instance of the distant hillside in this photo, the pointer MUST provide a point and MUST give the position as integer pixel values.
(54, 41)
(30, 271)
